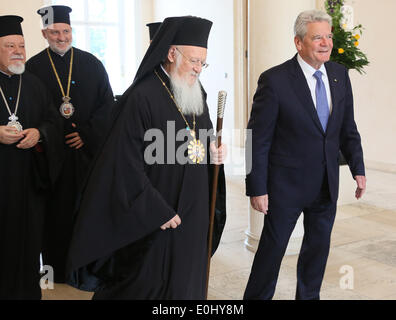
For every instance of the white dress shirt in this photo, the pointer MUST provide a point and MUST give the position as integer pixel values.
(309, 75)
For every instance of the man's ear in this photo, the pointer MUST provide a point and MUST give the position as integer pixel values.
(43, 32)
(172, 54)
(297, 42)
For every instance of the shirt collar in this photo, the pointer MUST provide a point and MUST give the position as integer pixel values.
(163, 69)
(308, 69)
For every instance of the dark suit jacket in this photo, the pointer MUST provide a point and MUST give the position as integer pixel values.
(289, 150)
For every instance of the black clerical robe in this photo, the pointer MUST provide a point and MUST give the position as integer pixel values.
(92, 98)
(26, 176)
(118, 248)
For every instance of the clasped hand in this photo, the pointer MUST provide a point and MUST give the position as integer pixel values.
(27, 138)
(173, 223)
(73, 140)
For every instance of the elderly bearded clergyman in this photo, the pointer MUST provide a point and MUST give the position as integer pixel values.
(30, 132)
(141, 231)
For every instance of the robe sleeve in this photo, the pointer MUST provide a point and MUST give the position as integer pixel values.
(94, 131)
(51, 136)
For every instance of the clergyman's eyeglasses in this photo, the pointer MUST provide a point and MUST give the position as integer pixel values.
(195, 62)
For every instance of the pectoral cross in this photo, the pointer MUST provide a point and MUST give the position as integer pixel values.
(13, 118)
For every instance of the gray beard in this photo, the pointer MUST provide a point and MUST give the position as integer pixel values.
(16, 68)
(58, 51)
(189, 99)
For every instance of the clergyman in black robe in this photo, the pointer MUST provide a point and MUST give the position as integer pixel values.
(92, 98)
(142, 226)
(30, 132)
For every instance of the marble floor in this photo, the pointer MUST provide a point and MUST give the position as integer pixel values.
(362, 260)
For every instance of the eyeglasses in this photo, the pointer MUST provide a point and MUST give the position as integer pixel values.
(195, 62)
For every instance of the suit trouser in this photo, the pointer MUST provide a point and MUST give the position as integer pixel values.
(278, 227)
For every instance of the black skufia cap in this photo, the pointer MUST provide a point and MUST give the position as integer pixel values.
(10, 25)
(153, 28)
(55, 14)
(193, 31)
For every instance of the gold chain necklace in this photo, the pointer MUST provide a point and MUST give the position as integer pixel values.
(192, 132)
(66, 109)
(196, 150)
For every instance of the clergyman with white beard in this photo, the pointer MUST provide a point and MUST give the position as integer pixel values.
(149, 221)
(30, 134)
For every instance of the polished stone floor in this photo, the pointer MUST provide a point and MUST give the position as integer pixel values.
(361, 265)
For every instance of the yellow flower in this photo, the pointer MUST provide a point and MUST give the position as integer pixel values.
(356, 43)
(341, 51)
(357, 37)
(344, 26)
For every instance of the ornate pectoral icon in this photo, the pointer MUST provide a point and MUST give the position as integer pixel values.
(66, 109)
(196, 151)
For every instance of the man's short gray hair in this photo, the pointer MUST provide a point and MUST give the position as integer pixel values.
(300, 27)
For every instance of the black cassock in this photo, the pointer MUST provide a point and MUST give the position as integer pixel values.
(118, 248)
(26, 176)
(92, 98)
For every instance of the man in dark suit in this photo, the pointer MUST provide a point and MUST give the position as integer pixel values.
(302, 116)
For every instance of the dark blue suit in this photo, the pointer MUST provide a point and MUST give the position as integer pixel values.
(296, 163)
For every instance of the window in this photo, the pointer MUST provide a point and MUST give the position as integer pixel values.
(105, 28)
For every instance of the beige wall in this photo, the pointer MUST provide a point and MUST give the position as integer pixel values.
(375, 99)
(31, 24)
(271, 34)
(147, 16)
(241, 10)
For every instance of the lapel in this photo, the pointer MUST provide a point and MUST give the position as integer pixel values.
(334, 83)
(300, 87)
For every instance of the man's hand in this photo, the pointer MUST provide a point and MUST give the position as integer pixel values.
(361, 186)
(74, 140)
(32, 136)
(217, 155)
(9, 135)
(260, 203)
(173, 223)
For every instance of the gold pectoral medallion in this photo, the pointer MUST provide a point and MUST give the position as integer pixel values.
(196, 151)
(66, 109)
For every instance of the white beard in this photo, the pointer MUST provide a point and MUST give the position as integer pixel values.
(18, 68)
(188, 98)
